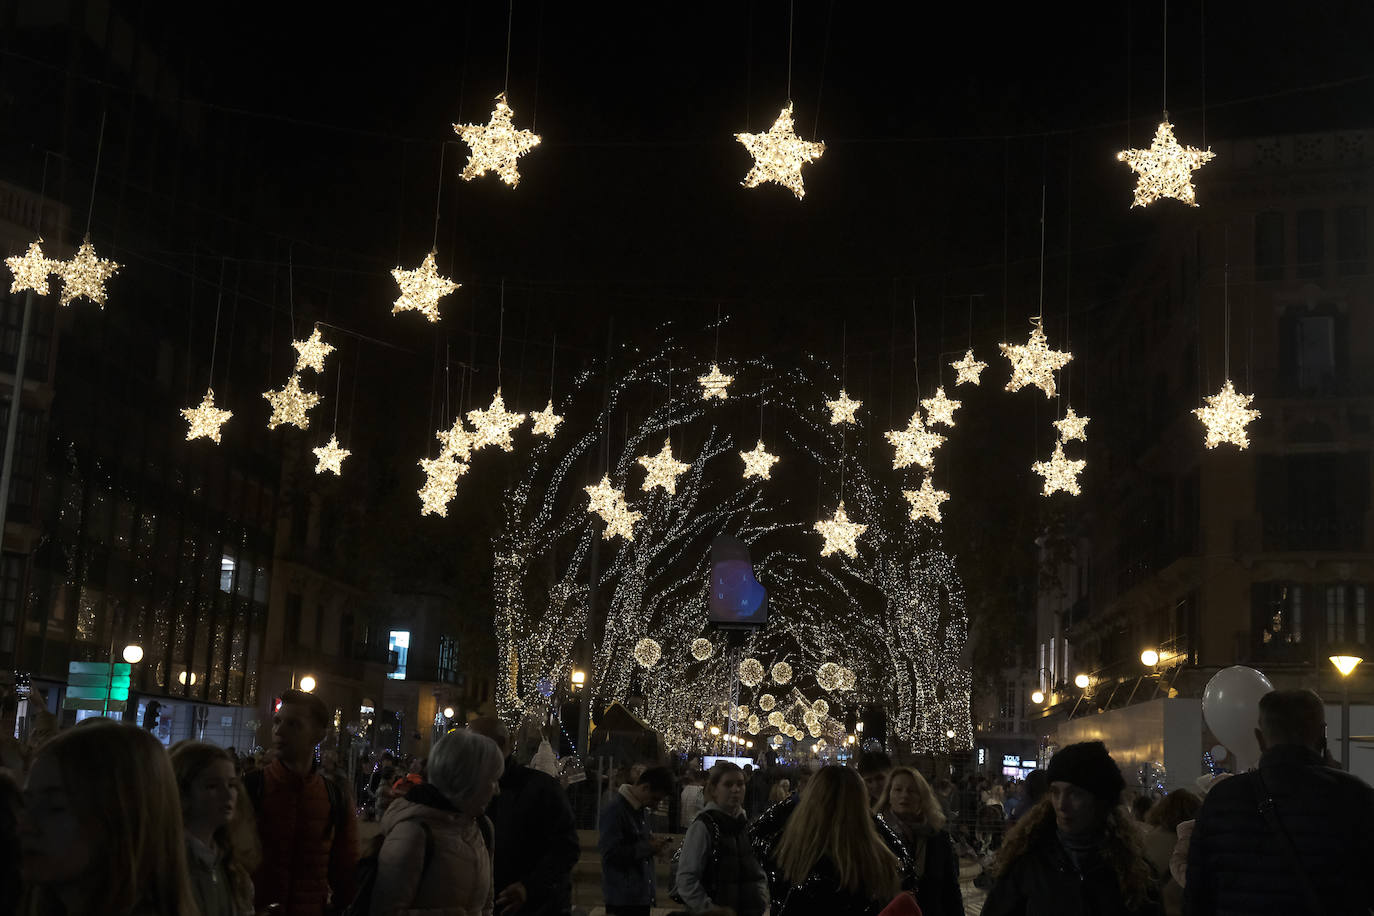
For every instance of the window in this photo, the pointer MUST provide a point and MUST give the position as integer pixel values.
(1316, 352)
(399, 642)
(1269, 246)
(1335, 614)
(1345, 615)
(1351, 240)
(226, 574)
(1278, 622)
(448, 659)
(1311, 247)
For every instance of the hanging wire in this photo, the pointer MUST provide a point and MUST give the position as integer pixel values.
(1226, 302)
(338, 387)
(538, 60)
(214, 343)
(1164, 65)
(439, 195)
(1040, 311)
(825, 53)
(915, 350)
(95, 176)
(501, 334)
(791, 19)
(553, 364)
(1202, 28)
(510, 18)
(716, 358)
(291, 287)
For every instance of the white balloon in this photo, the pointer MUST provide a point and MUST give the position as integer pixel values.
(1219, 752)
(1230, 704)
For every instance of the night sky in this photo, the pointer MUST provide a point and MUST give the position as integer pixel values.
(323, 133)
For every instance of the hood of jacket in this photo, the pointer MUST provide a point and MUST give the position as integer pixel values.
(423, 802)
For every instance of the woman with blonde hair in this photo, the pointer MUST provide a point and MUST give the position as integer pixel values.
(222, 847)
(1078, 852)
(824, 854)
(781, 789)
(909, 808)
(101, 828)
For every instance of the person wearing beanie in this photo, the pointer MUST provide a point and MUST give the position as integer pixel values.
(1078, 851)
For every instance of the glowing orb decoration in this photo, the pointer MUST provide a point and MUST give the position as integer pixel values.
(310, 353)
(845, 679)
(775, 719)
(206, 419)
(1226, 415)
(647, 652)
(940, 408)
(821, 744)
(1072, 427)
(750, 672)
(546, 421)
(767, 702)
(31, 269)
(741, 712)
(758, 463)
(715, 384)
(421, 289)
(828, 676)
(497, 145)
(925, 502)
(291, 404)
(1166, 168)
(702, 649)
(441, 483)
(1034, 363)
(494, 425)
(753, 725)
(821, 707)
(662, 469)
(1060, 473)
(779, 155)
(330, 457)
(842, 409)
(811, 718)
(84, 275)
(841, 535)
(782, 673)
(967, 369)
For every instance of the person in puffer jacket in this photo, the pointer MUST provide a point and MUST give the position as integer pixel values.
(436, 857)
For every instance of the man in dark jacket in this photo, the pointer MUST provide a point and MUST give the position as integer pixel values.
(536, 836)
(1241, 858)
(628, 847)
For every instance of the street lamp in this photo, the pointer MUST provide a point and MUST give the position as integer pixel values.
(715, 731)
(308, 684)
(579, 679)
(1081, 682)
(859, 726)
(133, 653)
(448, 712)
(1037, 697)
(1346, 665)
(1149, 658)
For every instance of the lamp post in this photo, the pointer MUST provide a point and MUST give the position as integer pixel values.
(1346, 665)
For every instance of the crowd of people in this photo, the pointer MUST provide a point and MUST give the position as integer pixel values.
(110, 822)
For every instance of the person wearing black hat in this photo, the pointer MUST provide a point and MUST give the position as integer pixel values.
(1078, 851)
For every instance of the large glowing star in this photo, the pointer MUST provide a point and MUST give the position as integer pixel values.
(291, 404)
(968, 369)
(494, 425)
(1072, 427)
(310, 353)
(1226, 415)
(1060, 473)
(842, 409)
(421, 289)
(1034, 363)
(31, 269)
(457, 441)
(330, 457)
(758, 463)
(206, 419)
(441, 483)
(609, 503)
(84, 275)
(496, 145)
(779, 155)
(914, 445)
(925, 502)
(662, 469)
(1166, 168)
(546, 421)
(841, 535)
(714, 384)
(940, 408)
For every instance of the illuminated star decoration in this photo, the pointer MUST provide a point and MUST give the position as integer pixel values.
(1034, 363)
(310, 353)
(779, 155)
(663, 470)
(1166, 168)
(714, 384)
(1072, 427)
(206, 419)
(609, 503)
(496, 145)
(758, 463)
(421, 289)
(441, 483)
(330, 456)
(494, 425)
(290, 404)
(925, 502)
(939, 408)
(84, 275)
(31, 269)
(842, 409)
(1060, 473)
(968, 369)
(456, 441)
(840, 534)
(1226, 415)
(546, 421)
(915, 445)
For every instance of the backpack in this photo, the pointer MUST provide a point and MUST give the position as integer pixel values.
(368, 865)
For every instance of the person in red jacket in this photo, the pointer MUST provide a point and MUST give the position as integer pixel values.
(305, 820)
